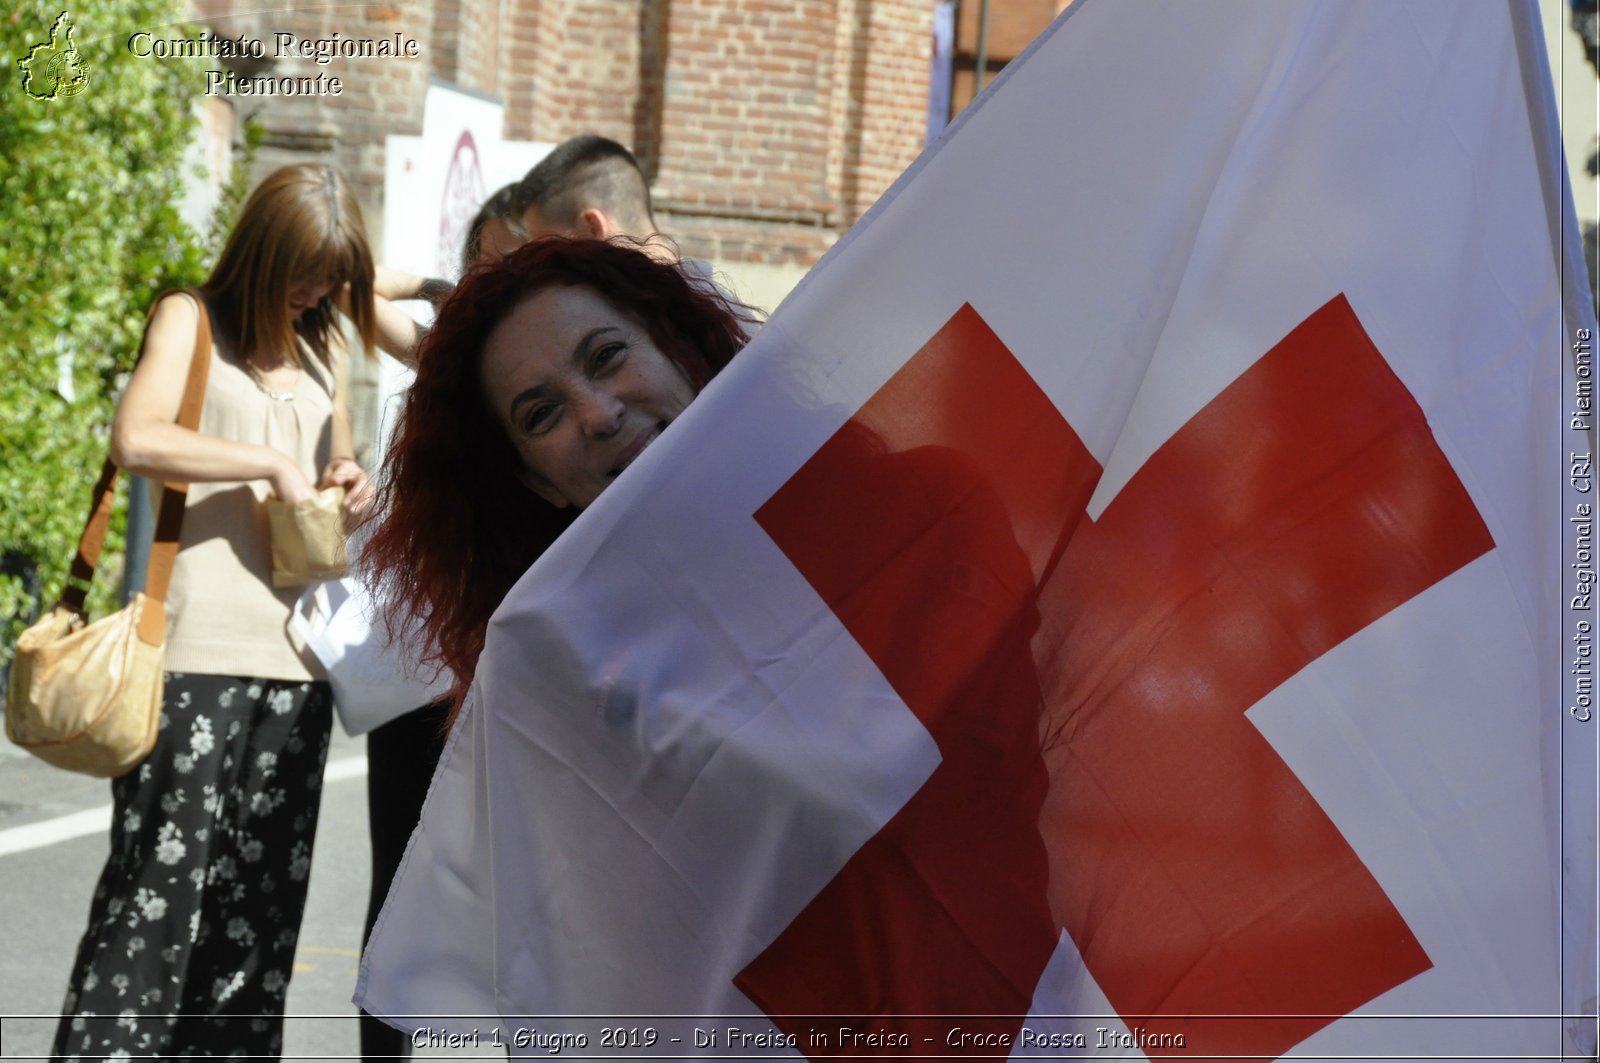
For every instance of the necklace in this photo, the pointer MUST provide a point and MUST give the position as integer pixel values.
(260, 381)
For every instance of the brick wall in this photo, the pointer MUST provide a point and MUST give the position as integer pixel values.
(582, 70)
(892, 51)
(767, 126)
(465, 44)
(745, 129)
(379, 96)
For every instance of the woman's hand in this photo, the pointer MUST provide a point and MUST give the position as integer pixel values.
(290, 484)
(397, 285)
(398, 332)
(345, 473)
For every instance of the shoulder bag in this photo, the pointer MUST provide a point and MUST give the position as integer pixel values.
(87, 696)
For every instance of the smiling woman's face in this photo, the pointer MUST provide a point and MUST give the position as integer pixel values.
(306, 293)
(580, 389)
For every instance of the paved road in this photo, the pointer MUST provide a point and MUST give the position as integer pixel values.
(46, 892)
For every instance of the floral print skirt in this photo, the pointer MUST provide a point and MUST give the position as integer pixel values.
(193, 924)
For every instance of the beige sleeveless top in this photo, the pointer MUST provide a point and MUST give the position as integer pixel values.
(223, 615)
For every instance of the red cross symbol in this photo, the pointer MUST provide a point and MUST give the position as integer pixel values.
(1086, 683)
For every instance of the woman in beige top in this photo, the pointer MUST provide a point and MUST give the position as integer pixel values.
(197, 911)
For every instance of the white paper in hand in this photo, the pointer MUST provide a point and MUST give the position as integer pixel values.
(374, 680)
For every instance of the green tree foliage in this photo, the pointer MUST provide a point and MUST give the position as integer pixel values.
(90, 186)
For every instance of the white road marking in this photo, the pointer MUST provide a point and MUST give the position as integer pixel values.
(98, 820)
(51, 831)
(345, 768)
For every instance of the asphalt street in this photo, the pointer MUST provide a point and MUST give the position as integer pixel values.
(53, 841)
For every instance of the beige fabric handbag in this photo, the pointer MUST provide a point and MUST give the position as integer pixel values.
(308, 540)
(87, 696)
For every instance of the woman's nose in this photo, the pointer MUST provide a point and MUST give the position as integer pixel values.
(600, 412)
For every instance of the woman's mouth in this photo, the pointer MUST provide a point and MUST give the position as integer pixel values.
(634, 449)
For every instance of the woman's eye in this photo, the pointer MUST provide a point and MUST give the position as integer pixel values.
(606, 356)
(539, 418)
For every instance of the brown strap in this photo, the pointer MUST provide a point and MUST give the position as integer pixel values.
(93, 538)
(169, 520)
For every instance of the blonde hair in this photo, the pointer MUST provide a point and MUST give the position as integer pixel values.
(301, 222)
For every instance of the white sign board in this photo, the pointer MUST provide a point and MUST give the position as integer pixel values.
(432, 186)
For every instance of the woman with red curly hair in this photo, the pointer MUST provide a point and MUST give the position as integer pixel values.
(546, 374)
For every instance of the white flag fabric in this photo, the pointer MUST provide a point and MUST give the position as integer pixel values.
(1121, 604)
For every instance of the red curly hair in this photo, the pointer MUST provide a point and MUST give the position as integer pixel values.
(458, 526)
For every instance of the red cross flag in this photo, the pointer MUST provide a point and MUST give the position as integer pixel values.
(1126, 602)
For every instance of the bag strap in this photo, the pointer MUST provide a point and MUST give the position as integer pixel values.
(169, 520)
